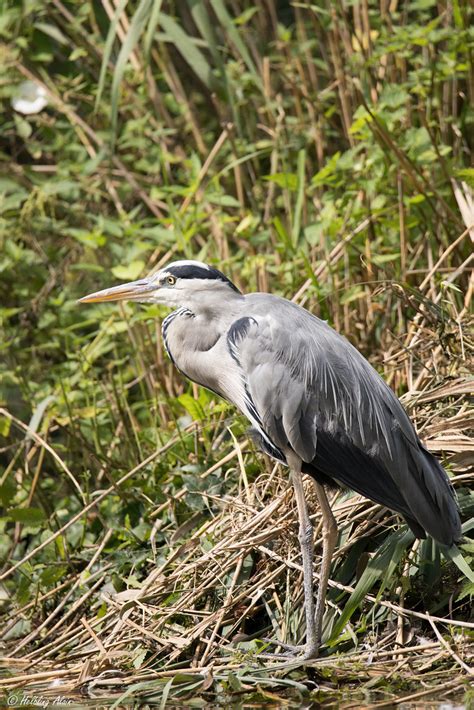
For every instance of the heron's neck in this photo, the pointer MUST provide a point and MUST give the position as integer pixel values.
(190, 337)
(215, 306)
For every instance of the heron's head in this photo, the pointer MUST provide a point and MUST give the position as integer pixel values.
(181, 283)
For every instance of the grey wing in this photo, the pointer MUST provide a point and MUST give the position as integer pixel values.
(314, 392)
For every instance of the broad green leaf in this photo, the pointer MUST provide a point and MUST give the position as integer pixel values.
(246, 16)
(7, 492)
(287, 181)
(394, 95)
(77, 53)
(28, 516)
(88, 238)
(130, 272)
(192, 406)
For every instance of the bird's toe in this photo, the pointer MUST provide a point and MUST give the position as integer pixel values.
(304, 652)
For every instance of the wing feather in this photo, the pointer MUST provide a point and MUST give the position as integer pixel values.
(306, 381)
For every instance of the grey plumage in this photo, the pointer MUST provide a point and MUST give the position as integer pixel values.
(301, 383)
(310, 396)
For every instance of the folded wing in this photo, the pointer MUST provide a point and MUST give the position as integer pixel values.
(314, 392)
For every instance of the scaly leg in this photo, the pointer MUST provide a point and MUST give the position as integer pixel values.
(329, 543)
(314, 613)
(306, 542)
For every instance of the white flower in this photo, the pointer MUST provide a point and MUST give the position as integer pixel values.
(30, 97)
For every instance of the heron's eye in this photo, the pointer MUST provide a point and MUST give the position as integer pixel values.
(170, 280)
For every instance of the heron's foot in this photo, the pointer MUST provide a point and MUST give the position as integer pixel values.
(306, 652)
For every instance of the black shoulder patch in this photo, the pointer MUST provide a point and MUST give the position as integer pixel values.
(191, 271)
(237, 331)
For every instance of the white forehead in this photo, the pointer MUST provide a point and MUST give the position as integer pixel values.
(193, 274)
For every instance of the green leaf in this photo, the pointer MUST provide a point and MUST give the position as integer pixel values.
(223, 200)
(394, 95)
(5, 424)
(455, 555)
(282, 233)
(467, 590)
(12, 202)
(380, 259)
(7, 492)
(295, 232)
(91, 239)
(324, 175)
(186, 46)
(109, 43)
(52, 31)
(38, 414)
(246, 16)
(466, 174)
(136, 25)
(28, 516)
(192, 406)
(353, 293)
(151, 29)
(384, 561)
(139, 658)
(61, 547)
(23, 127)
(287, 181)
(415, 199)
(77, 53)
(220, 8)
(361, 119)
(52, 574)
(130, 272)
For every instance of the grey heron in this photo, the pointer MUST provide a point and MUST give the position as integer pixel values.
(313, 400)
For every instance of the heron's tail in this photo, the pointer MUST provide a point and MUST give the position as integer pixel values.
(431, 497)
(413, 482)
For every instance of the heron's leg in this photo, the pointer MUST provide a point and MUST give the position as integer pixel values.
(307, 545)
(329, 543)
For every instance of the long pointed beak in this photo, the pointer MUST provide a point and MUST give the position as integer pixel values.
(125, 292)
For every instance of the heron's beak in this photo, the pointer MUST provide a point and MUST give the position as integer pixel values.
(135, 290)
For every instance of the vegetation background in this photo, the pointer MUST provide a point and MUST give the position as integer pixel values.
(321, 150)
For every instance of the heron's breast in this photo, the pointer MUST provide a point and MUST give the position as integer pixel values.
(195, 349)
